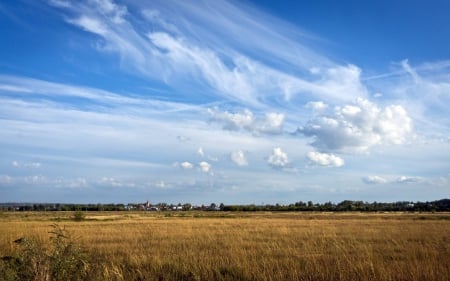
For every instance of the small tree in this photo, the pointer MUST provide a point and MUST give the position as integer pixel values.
(78, 216)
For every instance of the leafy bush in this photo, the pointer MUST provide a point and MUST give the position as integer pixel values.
(31, 261)
(78, 216)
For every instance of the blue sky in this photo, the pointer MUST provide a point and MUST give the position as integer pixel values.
(224, 101)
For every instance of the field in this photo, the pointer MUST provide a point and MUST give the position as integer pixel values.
(244, 246)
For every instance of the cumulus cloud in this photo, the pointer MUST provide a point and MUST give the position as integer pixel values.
(232, 121)
(186, 165)
(324, 159)
(278, 158)
(359, 126)
(374, 180)
(239, 158)
(204, 166)
(271, 123)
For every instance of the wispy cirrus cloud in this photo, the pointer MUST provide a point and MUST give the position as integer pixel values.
(17, 86)
(247, 71)
(422, 89)
(237, 83)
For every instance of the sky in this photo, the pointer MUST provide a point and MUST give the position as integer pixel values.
(234, 102)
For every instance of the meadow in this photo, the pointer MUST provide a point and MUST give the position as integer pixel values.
(231, 246)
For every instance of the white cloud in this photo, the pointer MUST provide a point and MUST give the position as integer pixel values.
(423, 89)
(343, 81)
(359, 126)
(186, 165)
(233, 121)
(239, 158)
(161, 184)
(377, 95)
(14, 88)
(324, 159)
(60, 3)
(409, 179)
(36, 179)
(77, 183)
(70, 182)
(374, 180)
(278, 158)
(316, 105)
(110, 181)
(91, 25)
(34, 165)
(272, 123)
(201, 152)
(5, 179)
(51, 90)
(247, 71)
(204, 166)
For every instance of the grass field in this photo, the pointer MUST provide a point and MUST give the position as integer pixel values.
(246, 246)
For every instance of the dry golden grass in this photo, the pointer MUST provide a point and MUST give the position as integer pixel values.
(251, 246)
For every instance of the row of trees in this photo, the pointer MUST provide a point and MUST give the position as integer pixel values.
(442, 205)
(348, 205)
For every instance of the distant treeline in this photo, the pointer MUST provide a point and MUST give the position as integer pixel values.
(442, 205)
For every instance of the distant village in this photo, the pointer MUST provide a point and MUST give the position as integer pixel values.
(442, 205)
(147, 206)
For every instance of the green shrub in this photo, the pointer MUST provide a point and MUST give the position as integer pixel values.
(62, 261)
(78, 216)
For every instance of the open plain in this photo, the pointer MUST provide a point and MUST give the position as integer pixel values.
(242, 246)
